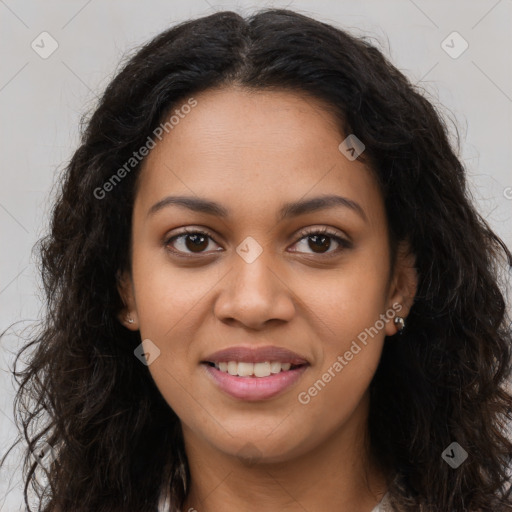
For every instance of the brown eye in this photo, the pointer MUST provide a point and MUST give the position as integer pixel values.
(189, 242)
(320, 241)
(196, 242)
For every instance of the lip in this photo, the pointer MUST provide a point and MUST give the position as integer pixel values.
(268, 353)
(254, 388)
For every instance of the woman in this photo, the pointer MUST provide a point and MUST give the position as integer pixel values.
(268, 290)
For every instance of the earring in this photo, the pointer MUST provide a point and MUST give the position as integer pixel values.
(129, 319)
(400, 324)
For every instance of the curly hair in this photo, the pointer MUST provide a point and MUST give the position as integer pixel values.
(119, 445)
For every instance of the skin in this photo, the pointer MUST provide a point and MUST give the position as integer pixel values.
(253, 151)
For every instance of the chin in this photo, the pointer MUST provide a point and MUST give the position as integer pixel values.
(258, 447)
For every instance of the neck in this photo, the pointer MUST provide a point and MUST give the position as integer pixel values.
(336, 476)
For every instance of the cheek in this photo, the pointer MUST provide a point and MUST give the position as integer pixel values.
(170, 312)
(348, 308)
(350, 348)
(168, 296)
(349, 299)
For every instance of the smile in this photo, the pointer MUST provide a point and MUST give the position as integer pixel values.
(254, 381)
(263, 369)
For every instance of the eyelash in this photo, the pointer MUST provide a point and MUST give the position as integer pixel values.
(343, 243)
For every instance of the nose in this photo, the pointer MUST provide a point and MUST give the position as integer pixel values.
(254, 294)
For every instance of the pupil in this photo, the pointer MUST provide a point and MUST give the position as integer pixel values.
(197, 242)
(323, 239)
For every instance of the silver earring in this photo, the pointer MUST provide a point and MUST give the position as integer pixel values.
(400, 323)
(129, 319)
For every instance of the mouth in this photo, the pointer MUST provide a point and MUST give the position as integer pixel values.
(253, 370)
(253, 381)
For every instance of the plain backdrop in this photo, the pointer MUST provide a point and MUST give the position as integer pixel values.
(42, 101)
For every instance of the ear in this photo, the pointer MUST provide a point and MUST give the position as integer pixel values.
(404, 285)
(128, 315)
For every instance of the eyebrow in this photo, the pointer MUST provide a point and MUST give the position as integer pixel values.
(288, 211)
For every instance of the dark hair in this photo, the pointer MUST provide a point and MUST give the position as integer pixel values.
(443, 380)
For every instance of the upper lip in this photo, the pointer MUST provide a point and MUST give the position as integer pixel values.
(256, 355)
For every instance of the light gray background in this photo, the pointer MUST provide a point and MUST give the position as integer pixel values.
(42, 100)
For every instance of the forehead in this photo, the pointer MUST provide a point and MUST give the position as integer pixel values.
(248, 148)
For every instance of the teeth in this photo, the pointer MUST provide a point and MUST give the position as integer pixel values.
(275, 367)
(245, 369)
(261, 369)
(241, 369)
(233, 368)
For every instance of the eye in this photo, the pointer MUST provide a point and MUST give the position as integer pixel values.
(189, 242)
(196, 242)
(319, 241)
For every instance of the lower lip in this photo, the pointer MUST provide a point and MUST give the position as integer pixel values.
(255, 388)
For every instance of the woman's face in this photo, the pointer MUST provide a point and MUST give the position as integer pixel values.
(256, 280)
